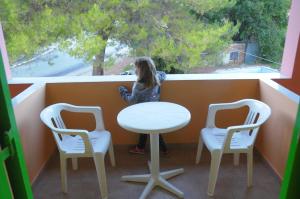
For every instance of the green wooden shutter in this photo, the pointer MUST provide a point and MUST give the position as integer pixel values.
(14, 180)
(290, 186)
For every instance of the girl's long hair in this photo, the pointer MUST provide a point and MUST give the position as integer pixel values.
(147, 72)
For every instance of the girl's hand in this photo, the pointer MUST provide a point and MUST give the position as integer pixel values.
(122, 89)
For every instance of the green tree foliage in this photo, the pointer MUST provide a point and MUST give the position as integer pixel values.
(261, 21)
(165, 29)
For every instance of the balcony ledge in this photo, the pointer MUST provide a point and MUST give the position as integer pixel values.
(125, 78)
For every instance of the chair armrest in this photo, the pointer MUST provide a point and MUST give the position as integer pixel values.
(233, 129)
(95, 110)
(214, 108)
(236, 129)
(80, 132)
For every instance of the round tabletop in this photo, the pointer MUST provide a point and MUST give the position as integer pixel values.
(154, 117)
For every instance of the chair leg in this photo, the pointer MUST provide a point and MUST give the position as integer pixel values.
(236, 159)
(75, 163)
(250, 167)
(100, 168)
(199, 150)
(63, 173)
(112, 154)
(214, 170)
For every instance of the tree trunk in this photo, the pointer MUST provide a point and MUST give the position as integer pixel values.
(98, 63)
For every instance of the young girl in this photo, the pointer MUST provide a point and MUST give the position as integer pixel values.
(145, 89)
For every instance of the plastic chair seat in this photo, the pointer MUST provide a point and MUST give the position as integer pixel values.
(215, 137)
(78, 143)
(100, 141)
(234, 139)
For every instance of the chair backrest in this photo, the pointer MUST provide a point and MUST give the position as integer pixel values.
(51, 116)
(258, 114)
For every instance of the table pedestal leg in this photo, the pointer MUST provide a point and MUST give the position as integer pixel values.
(155, 178)
(136, 178)
(171, 173)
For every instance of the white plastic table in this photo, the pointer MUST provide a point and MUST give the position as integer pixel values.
(154, 118)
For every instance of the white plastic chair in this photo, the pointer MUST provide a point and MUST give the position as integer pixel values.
(75, 143)
(234, 139)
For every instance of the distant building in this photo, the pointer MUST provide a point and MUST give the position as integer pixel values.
(235, 54)
(252, 51)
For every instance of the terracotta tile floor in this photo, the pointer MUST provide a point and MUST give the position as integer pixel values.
(231, 183)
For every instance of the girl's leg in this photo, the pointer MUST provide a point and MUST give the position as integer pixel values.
(162, 144)
(142, 141)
